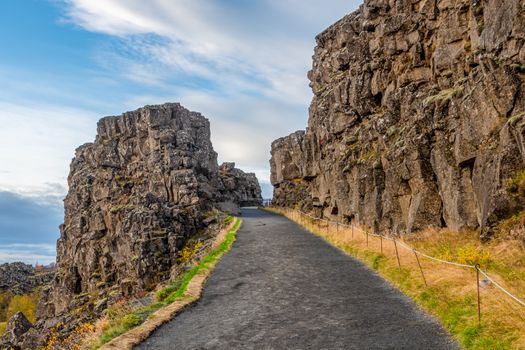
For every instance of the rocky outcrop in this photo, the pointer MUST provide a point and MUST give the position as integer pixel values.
(289, 171)
(20, 278)
(417, 118)
(238, 189)
(17, 326)
(148, 184)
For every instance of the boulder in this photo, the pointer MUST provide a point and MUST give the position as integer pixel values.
(17, 326)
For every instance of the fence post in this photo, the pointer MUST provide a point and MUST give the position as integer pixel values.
(479, 298)
(381, 239)
(366, 238)
(397, 254)
(420, 268)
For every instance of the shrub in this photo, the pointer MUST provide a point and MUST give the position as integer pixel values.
(162, 294)
(25, 304)
(472, 255)
(72, 341)
(517, 183)
(131, 320)
(188, 252)
(376, 261)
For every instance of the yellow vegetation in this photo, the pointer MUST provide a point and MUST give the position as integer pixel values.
(72, 342)
(451, 294)
(25, 303)
(187, 253)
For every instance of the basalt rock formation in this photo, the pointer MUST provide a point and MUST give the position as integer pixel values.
(238, 189)
(19, 278)
(148, 184)
(417, 118)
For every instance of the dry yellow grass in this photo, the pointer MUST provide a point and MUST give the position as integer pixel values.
(451, 294)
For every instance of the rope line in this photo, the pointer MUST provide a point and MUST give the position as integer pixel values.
(406, 246)
(502, 289)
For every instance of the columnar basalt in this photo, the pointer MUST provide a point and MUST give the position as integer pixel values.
(238, 188)
(417, 117)
(148, 184)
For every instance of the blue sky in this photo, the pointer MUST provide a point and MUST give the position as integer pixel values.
(66, 63)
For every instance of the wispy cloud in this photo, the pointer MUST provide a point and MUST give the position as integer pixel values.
(28, 253)
(243, 64)
(38, 143)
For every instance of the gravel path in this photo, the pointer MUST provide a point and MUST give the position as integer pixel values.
(281, 287)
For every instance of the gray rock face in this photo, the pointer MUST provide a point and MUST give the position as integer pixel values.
(20, 278)
(238, 188)
(136, 195)
(289, 172)
(417, 118)
(17, 326)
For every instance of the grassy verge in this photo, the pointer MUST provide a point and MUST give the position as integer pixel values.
(122, 318)
(451, 294)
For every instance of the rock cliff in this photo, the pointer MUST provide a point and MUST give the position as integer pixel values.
(148, 184)
(417, 118)
(237, 189)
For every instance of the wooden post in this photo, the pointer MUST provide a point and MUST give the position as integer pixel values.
(381, 239)
(420, 268)
(397, 254)
(366, 238)
(479, 297)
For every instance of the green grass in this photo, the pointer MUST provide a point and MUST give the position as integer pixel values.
(167, 295)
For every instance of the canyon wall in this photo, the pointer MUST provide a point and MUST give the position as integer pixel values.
(149, 183)
(417, 118)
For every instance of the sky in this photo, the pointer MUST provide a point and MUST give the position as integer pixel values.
(64, 64)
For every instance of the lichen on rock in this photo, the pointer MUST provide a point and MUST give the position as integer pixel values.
(411, 124)
(137, 195)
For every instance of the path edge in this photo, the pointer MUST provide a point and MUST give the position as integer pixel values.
(193, 293)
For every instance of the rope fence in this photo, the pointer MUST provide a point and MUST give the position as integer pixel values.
(417, 254)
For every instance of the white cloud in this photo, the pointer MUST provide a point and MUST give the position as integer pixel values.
(252, 56)
(38, 143)
(242, 64)
(28, 253)
(263, 46)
